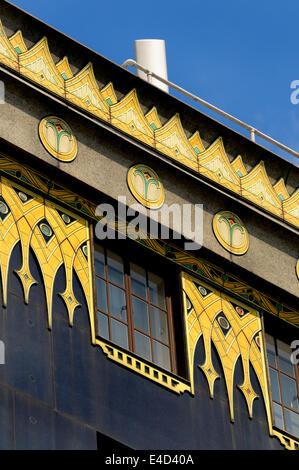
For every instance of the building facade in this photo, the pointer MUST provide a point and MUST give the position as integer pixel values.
(137, 341)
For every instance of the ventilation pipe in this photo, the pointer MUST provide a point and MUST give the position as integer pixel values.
(151, 54)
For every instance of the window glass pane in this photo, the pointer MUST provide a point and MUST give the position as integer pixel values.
(99, 260)
(275, 385)
(159, 324)
(101, 294)
(292, 422)
(161, 355)
(117, 300)
(103, 328)
(278, 418)
(284, 353)
(143, 346)
(271, 350)
(156, 290)
(138, 280)
(119, 333)
(115, 268)
(289, 392)
(140, 314)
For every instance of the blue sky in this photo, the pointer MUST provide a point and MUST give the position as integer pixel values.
(239, 55)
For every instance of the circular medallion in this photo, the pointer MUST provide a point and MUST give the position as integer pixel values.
(46, 230)
(258, 340)
(3, 208)
(58, 138)
(223, 323)
(66, 218)
(23, 197)
(146, 186)
(231, 232)
(297, 268)
(240, 311)
(85, 250)
(202, 290)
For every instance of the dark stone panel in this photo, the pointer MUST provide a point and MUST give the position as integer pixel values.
(72, 435)
(6, 419)
(143, 415)
(37, 291)
(39, 427)
(78, 375)
(28, 351)
(88, 392)
(14, 284)
(28, 366)
(58, 306)
(81, 318)
(34, 425)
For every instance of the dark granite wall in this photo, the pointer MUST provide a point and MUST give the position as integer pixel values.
(57, 390)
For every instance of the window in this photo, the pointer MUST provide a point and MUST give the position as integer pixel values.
(284, 380)
(134, 307)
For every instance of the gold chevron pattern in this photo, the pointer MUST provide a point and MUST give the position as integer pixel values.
(57, 238)
(82, 90)
(202, 268)
(235, 332)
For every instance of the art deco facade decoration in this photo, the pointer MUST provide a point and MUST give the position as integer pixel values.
(56, 236)
(58, 138)
(193, 307)
(170, 139)
(146, 186)
(234, 330)
(231, 232)
(59, 237)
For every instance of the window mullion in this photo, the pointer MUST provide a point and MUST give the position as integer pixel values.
(107, 293)
(280, 386)
(171, 335)
(129, 307)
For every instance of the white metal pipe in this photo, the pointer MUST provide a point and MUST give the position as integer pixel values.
(151, 54)
(253, 132)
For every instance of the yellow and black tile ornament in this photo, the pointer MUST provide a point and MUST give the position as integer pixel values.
(146, 187)
(231, 232)
(58, 138)
(82, 90)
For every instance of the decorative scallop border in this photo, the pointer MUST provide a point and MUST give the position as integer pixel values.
(82, 90)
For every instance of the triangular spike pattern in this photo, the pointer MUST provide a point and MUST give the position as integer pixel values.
(238, 166)
(64, 68)
(83, 268)
(17, 42)
(196, 143)
(153, 119)
(82, 90)
(37, 64)
(235, 332)
(55, 241)
(291, 209)
(108, 94)
(171, 139)
(128, 116)
(8, 56)
(281, 190)
(214, 164)
(257, 187)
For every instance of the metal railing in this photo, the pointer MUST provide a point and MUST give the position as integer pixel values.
(253, 132)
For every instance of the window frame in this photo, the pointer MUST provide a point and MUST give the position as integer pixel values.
(273, 328)
(160, 269)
